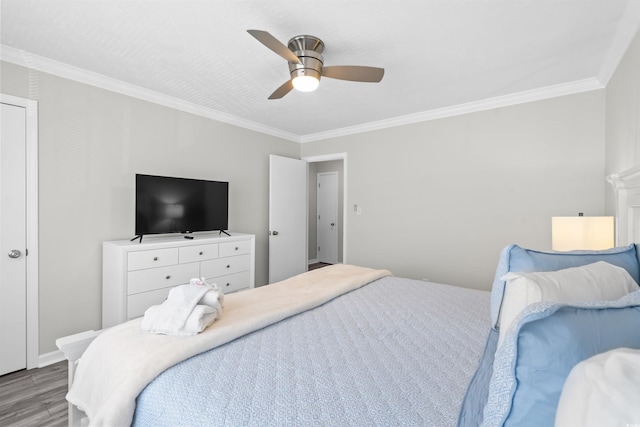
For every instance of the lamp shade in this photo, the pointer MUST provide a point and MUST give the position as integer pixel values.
(581, 233)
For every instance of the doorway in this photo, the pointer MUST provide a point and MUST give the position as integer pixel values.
(19, 234)
(327, 221)
(322, 164)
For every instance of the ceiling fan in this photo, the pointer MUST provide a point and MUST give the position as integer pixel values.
(304, 54)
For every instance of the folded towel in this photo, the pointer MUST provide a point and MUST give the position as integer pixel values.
(178, 315)
(201, 317)
(214, 297)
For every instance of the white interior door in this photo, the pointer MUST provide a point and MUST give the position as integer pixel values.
(13, 239)
(287, 217)
(327, 217)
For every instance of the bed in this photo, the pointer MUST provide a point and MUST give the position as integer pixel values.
(348, 345)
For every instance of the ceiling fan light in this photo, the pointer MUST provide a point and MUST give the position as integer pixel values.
(305, 83)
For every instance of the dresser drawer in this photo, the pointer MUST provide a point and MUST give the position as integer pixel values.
(198, 253)
(235, 248)
(139, 260)
(157, 278)
(224, 266)
(232, 282)
(137, 304)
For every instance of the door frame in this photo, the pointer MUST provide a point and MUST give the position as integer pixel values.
(32, 271)
(345, 221)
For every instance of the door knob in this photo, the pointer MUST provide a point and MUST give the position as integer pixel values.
(274, 233)
(14, 253)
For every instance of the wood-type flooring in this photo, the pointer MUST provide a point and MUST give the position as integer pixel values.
(34, 398)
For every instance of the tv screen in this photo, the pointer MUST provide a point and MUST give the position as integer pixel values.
(180, 205)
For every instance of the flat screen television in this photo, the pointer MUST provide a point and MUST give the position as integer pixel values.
(180, 205)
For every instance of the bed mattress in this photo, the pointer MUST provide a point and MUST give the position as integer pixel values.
(395, 352)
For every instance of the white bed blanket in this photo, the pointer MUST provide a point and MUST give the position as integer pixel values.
(120, 363)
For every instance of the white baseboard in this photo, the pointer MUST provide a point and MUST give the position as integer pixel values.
(50, 358)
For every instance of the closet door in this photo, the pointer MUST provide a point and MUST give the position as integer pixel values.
(13, 282)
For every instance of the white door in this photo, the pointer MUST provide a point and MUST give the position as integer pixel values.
(287, 217)
(13, 284)
(327, 217)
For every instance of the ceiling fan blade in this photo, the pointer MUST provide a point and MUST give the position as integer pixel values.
(275, 45)
(282, 90)
(354, 73)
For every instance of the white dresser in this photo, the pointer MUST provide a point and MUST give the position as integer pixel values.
(138, 275)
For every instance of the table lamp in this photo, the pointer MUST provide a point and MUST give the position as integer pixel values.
(581, 233)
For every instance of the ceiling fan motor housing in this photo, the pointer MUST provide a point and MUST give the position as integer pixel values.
(309, 50)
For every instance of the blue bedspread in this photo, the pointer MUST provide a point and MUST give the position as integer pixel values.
(395, 352)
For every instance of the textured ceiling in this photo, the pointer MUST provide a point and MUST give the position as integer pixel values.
(437, 54)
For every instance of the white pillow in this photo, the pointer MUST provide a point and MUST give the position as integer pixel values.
(602, 391)
(599, 281)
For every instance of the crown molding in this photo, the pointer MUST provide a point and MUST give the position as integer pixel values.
(547, 92)
(32, 61)
(46, 65)
(627, 179)
(624, 36)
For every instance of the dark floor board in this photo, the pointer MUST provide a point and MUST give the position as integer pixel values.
(34, 397)
(317, 265)
(14, 385)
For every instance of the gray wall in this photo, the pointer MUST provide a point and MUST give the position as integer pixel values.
(623, 117)
(91, 144)
(440, 199)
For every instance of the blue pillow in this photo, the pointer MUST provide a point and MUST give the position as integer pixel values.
(546, 341)
(514, 258)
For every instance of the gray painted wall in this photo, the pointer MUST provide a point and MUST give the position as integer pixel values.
(91, 144)
(440, 199)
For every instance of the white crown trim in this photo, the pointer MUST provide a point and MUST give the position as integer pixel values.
(470, 107)
(50, 66)
(624, 36)
(46, 65)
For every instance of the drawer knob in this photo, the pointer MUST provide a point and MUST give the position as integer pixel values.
(228, 266)
(237, 248)
(201, 253)
(155, 258)
(168, 277)
(228, 284)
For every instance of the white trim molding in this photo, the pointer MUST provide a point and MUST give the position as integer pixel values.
(50, 358)
(46, 65)
(49, 66)
(538, 94)
(626, 186)
(623, 38)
